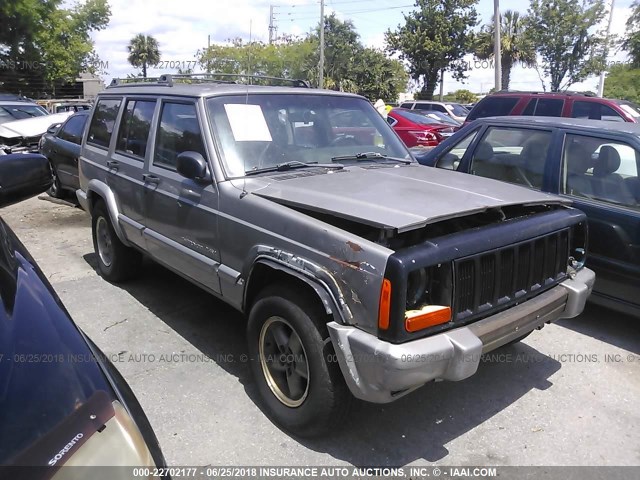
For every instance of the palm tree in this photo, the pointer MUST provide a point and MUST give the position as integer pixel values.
(514, 44)
(143, 52)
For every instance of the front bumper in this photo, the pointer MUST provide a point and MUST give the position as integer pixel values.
(380, 372)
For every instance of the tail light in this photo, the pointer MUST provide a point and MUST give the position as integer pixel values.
(424, 136)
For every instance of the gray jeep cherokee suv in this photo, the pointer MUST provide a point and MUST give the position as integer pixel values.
(361, 272)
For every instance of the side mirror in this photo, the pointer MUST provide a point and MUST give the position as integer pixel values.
(23, 175)
(193, 165)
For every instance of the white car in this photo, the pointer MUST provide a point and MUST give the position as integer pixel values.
(454, 110)
(24, 135)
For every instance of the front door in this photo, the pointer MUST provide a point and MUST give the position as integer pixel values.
(601, 177)
(181, 214)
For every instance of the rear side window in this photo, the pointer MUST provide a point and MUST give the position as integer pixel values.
(549, 107)
(179, 131)
(135, 126)
(493, 107)
(104, 118)
(595, 111)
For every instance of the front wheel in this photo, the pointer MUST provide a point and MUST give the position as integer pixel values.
(294, 364)
(116, 261)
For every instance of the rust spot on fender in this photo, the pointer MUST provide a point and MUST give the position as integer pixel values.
(354, 246)
(347, 263)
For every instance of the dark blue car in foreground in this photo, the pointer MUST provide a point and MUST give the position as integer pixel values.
(62, 403)
(594, 163)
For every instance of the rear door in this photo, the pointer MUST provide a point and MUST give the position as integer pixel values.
(181, 215)
(126, 163)
(600, 174)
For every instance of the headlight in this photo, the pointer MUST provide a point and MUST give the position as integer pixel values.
(429, 286)
(578, 246)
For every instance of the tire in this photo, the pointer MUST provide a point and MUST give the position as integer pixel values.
(306, 407)
(116, 261)
(56, 190)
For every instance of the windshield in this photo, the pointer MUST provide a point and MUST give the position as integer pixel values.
(440, 117)
(630, 108)
(457, 109)
(419, 118)
(264, 130)
(9, 113)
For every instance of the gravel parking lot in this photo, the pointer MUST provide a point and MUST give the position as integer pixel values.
(565, 396)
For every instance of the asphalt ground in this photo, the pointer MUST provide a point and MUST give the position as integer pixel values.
(567, 395)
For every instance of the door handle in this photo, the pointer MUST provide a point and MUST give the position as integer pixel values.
(147, 177)
(113, 164)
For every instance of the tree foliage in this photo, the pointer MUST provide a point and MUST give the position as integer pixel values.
(631, 40)
(435, 37)
(43, 45)
(564, 34)
(143, 52)
(461, 96)
(623, 81)
(349, 66)
(515, 44)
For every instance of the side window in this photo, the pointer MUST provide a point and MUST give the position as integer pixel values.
(440, 108)
(104, 118)
(72, 130)
(531, 107)
(595, 111)
(601, 169)
(179, 131)
(135, 126)
(493, 107)
(451, 159)
(391, 121)
(407, 105)
(514, 155)
(549, 107)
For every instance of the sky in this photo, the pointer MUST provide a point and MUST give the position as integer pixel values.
(182, 27)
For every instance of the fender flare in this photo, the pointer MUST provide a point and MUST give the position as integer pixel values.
(101, 189)
(331, 305)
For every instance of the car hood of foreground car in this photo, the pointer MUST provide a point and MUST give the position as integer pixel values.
(402, 197)
(30, 127)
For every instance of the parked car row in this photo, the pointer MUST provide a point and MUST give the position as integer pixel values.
(303, 210)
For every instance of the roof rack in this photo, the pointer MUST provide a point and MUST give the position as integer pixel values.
(168, 80)
(567, 92)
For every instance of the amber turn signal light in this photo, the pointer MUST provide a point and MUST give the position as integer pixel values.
(426, 317)
(384, 310)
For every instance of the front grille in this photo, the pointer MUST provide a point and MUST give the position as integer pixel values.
(489, 281)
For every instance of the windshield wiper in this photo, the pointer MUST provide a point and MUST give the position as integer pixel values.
(364, 156)
(281, 167)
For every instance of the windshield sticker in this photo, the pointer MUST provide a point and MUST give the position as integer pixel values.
(247, 123)
(630, 110)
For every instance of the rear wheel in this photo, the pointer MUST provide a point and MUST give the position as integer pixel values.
(293, 362)
(56, 190)
(116, 261)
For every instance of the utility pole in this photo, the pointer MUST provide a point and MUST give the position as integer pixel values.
(208, 53)
(321, 65)
(606, 52)
(271, 26)
(497, 56)
(441, 97)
